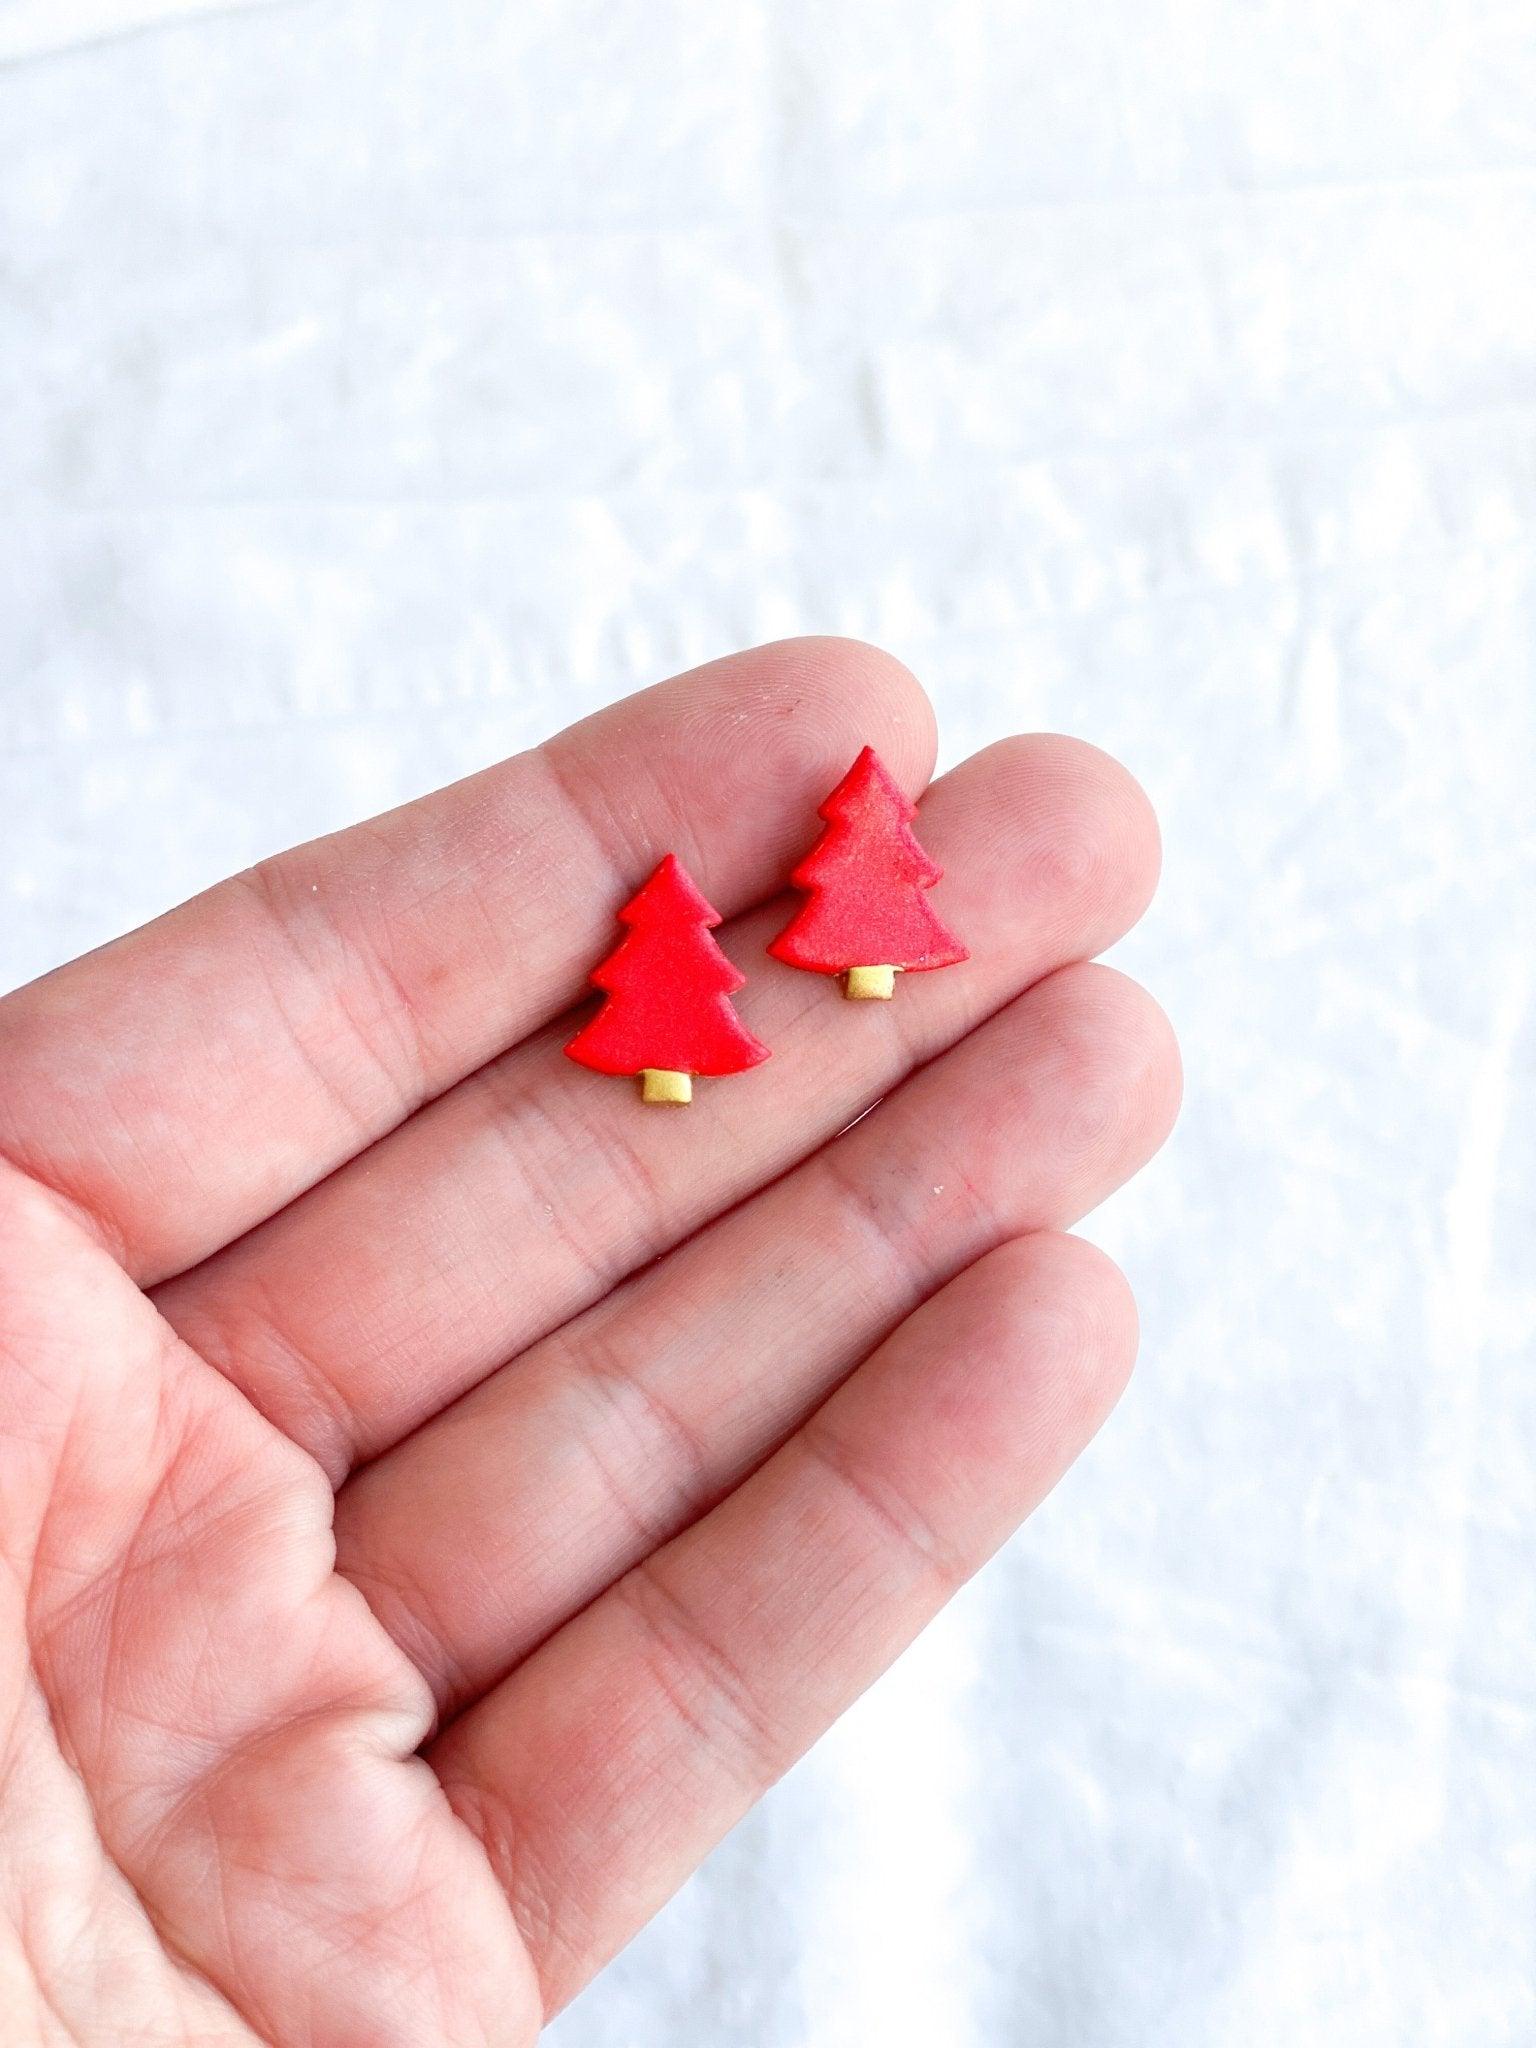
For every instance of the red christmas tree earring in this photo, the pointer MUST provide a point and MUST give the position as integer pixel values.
(867, 918)
(669, 1014)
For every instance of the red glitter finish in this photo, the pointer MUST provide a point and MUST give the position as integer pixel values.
(865, 879)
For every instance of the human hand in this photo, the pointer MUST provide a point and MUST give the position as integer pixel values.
(651, 1435)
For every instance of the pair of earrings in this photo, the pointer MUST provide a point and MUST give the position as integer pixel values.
(669, 1013)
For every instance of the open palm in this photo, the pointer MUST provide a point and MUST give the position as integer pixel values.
(438, 1492)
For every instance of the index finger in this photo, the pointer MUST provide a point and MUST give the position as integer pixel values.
(181, 1084)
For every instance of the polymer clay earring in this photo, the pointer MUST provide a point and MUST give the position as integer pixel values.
(866, 917)
(669, 1014)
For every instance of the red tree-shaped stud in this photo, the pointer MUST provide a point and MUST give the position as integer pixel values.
(867, 917)
(669, 1014)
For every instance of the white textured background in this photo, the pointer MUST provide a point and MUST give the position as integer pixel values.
(383, 384)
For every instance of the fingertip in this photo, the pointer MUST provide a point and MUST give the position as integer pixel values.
(812, 704)
(1071, 838)
(1065, 1320)
(1124, 1074)
(726, 765)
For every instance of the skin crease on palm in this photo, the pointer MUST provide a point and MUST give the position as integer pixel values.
(438, 1493)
